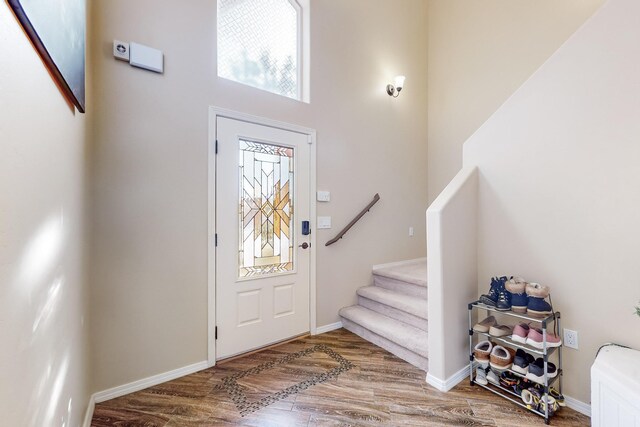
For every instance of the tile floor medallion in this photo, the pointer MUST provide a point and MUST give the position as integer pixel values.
(336, 379)
(253, 389)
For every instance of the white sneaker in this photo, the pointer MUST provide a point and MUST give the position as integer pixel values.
(493, 378)
(481, 376)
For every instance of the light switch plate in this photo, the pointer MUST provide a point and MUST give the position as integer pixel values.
(146, 57)
(324, 222)
(324, 196)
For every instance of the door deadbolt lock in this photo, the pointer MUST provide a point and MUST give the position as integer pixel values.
(305, 245)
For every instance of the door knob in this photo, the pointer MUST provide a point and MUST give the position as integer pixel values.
(305, 245)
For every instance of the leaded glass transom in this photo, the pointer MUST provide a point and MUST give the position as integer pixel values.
(266, 209)
(258, 44)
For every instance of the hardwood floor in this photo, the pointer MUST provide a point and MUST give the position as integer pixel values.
(334, 379)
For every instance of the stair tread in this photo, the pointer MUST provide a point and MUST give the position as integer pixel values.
(414, 272)
(407, 303)
(405, 335)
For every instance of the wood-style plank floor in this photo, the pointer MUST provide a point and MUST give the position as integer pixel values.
(363, 385)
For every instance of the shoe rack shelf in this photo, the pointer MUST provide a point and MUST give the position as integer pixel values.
(545, 352)
(509, 342)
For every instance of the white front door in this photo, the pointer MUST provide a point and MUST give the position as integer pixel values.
(262, 255)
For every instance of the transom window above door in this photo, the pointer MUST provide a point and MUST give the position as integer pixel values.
(260, 44)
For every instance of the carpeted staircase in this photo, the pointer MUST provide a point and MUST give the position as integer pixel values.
(392, 313)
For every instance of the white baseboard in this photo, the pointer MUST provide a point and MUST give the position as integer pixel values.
(112, 393)
(327, 328)
(578, 406)
(462, 374)
(121, 390)
(449, 383)
(88, 415)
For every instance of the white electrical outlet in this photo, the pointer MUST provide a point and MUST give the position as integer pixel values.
(410, 231)
(570, 338)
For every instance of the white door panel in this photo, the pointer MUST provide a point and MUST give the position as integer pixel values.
(262, 272)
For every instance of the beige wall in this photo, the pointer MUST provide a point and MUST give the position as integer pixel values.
(149, 210)
(452, 270)
(43, 311)
(480, 52)
(559, 179)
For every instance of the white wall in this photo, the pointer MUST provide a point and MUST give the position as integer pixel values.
(452, 270)
(480, 52)
(43, 295)
(149, 166)
(559, 179)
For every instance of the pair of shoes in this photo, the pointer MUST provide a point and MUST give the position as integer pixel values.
(482, 353)
(498, 296)
(521, 362)
(536, 371)
(531, 397)
(496, 356)
(490, 325)
(481, 375)
(509, 380)
(523, 384)
(485, 325)
(525, 334)
(501, 358)
(500, 331)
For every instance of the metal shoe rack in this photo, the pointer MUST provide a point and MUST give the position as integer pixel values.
(545, 353)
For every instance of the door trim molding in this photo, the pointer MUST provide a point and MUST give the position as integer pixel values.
(214, 113)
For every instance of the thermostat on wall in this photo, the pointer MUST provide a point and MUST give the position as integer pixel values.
(139, 55)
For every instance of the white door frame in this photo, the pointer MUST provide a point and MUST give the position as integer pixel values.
(214, 113)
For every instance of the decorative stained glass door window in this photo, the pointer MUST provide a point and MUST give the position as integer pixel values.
(266, 209)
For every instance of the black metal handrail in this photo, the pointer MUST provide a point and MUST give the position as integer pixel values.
(354, 220)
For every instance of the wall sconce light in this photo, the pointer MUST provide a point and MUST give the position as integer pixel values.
(394, 89)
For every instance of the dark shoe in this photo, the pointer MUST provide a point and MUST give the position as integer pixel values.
(522, 361)
(536, 371)
(519, 298)
(491, 298)
(504, 299)
(538, 307)
(508, 380)
(523, 384)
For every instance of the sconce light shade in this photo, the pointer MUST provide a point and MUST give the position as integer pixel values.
(394, 89)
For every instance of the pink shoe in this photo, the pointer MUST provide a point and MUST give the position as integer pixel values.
(520, 333)
(534, 339)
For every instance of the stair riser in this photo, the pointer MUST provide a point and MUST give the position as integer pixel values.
(394, 313)
(401, 352)
(400, 286)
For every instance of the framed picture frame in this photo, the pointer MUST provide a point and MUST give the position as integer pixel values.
(57, 31)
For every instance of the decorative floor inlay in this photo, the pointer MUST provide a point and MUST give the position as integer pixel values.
(378, 390)
(324, 365)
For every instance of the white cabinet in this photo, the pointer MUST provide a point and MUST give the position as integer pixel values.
(615, 388)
